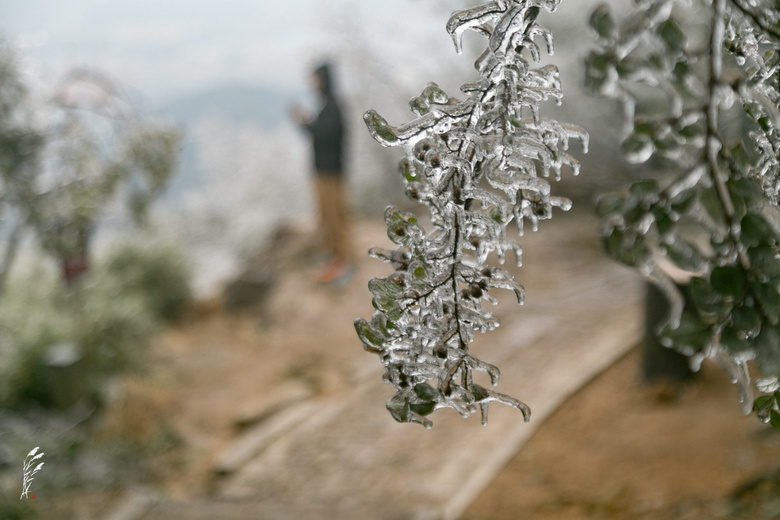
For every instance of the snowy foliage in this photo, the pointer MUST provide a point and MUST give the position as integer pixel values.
(701, 103)
(476, 164)
(21, 144)
(65, 159)
(99, 150)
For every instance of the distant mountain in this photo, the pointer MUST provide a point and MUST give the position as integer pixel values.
(239, 103)
(235, 104)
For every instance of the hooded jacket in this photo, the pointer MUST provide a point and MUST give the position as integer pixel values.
(327, 129)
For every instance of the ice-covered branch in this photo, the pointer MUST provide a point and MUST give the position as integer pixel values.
(713, 212)
(477, 164)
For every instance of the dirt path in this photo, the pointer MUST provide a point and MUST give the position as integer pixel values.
(614, 451)
(217, 367)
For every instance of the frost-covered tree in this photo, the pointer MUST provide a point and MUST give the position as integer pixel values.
(21, 145)
(477, 164)
(699, 83)
(99, 150)
(66, 159)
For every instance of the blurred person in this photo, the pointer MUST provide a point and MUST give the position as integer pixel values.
(328, 136)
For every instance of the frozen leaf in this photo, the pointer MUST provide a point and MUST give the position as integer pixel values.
(706, 300)
(685, 256)
(764, 261)
(774, 419)
(691, 334)
(666, 224)
(729, 281)
(673, 35)
(644, 188)
(609, 204)
(627, 248)
(767, 295)
(747, 320)
(756, 231)
(768, 385)
(637, 148)
(380, 129)
(764, 403)
(422, 409)
(684, 201)
(602, 22)
(372, 339)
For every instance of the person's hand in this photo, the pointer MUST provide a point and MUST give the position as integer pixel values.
(298, 114)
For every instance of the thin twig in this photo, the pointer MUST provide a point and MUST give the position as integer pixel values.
(714, 143)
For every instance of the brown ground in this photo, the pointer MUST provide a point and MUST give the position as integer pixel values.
(617, 451)
(613, 451)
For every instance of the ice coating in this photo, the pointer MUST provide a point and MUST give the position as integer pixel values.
(712, 211)
(477, 164)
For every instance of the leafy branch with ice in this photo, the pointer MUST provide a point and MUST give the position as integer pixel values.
(476, 164)
(704, 108)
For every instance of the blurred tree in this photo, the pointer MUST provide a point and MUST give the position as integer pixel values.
(99, 151)
(65, 161)
(21, 145)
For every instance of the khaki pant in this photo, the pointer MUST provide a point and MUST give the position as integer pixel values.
(334, 216)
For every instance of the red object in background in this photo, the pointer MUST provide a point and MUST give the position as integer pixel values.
(73, 266)
(32, 496)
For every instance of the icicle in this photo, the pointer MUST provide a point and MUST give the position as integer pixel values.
(740, 376)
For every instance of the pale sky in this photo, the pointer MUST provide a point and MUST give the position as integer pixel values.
(163, 48)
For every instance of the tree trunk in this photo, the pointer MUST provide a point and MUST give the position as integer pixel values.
(659, 362)
(11, 247)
